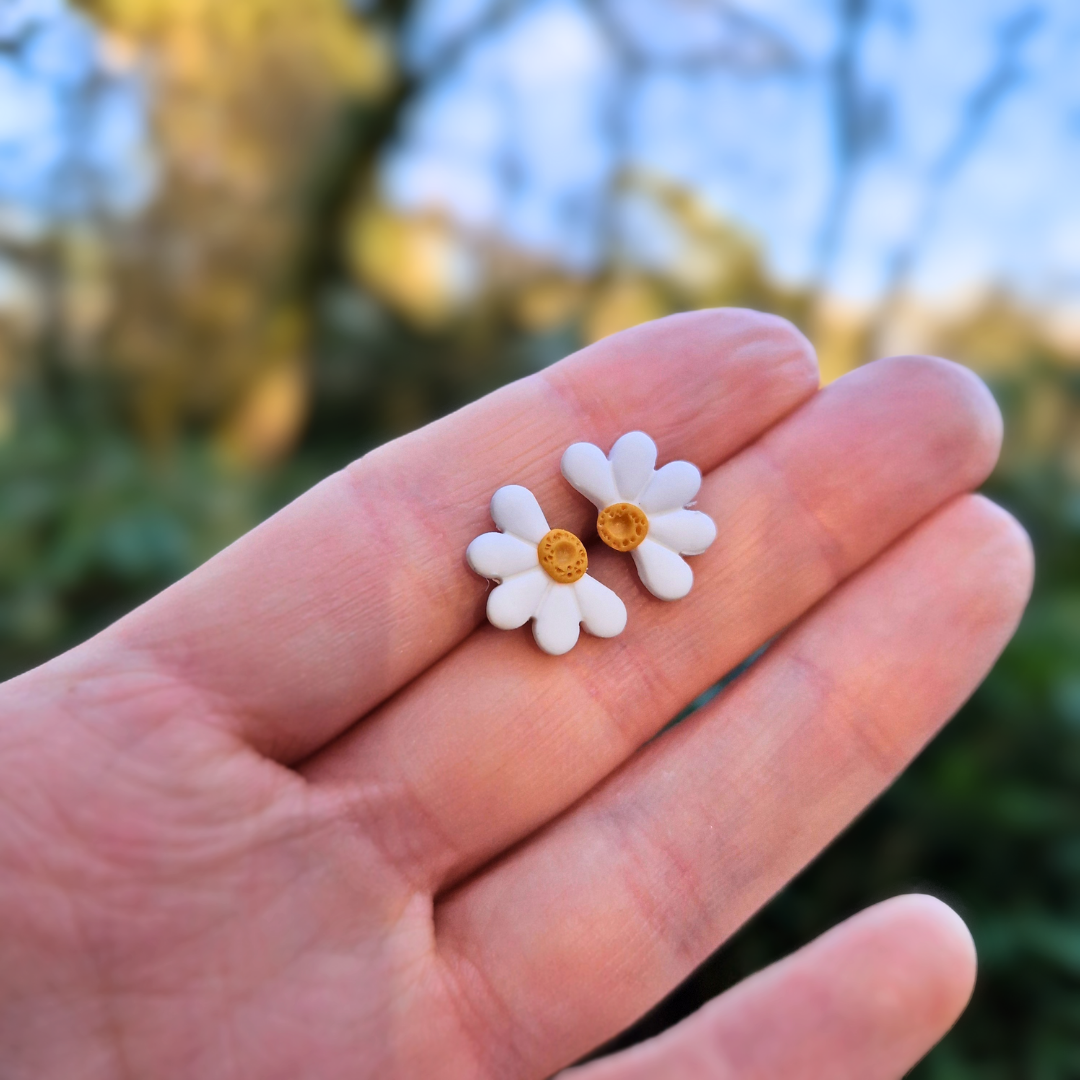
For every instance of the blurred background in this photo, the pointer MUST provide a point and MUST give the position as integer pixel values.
(243, 241)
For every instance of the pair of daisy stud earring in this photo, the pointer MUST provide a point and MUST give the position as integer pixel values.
(542, 571)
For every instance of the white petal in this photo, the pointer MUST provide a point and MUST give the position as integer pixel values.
(517, 599)
(662, 572)
(602, 612)
(515, 510)
(673, 486)
(500, 555)
(632, 461)
(688, 532)
(589, 472)
(556, 628)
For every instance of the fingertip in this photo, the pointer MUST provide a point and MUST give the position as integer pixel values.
(998, 562)
(974, 418)
(782, 345)
(936, 946)
(1013, 548)
(729, 340)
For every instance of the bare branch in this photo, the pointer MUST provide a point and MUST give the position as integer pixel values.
(749, 45)
(979, 110)
(852, 131)
(453, 51)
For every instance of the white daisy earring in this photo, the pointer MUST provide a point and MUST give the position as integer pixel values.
(644, 510)
(542, 575)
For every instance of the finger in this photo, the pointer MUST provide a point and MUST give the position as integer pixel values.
(582, 928)
(863, 1002)
(822, 493)
(327, 608)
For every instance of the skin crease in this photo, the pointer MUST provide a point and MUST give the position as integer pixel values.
(304, 814)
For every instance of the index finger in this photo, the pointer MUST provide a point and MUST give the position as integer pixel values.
(313, 618)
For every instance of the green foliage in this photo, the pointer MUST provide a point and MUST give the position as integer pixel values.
(91, 523)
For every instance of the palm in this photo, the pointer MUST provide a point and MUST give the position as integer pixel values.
(303, 815)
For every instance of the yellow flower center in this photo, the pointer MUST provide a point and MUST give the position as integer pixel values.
(622, 526)
(563, 556)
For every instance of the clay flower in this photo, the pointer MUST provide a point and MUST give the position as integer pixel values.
(542, 571)
(643, 509)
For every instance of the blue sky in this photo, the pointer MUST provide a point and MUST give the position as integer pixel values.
(513, 137)
(531, 101)
(72, 126)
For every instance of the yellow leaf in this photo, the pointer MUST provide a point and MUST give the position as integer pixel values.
(548, 303)
(416, 264)
(269, 419)
(620, 304)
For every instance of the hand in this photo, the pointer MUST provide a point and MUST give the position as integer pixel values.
(305, 815)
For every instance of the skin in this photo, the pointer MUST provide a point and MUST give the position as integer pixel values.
(306, 814)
